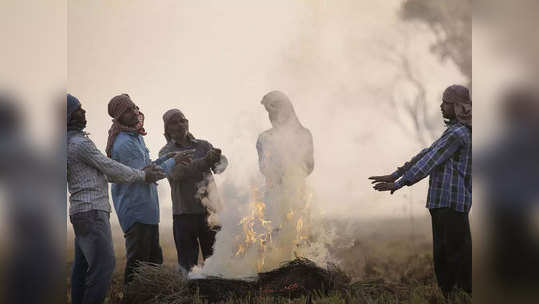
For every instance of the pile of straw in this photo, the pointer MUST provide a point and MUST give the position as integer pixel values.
(154, 284)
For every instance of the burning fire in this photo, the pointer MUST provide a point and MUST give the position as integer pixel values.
(258, 232)
(302, 229)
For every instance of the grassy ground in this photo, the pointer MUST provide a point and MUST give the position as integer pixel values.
(389, 261)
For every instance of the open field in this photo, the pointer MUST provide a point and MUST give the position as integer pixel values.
(388, 261)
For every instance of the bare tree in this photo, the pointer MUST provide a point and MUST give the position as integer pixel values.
(412, 108)
(451, 22)
(416, 108)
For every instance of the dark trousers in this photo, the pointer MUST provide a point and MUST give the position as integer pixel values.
(452, 246)
(189, 231)
(141, 245)
(94, 257)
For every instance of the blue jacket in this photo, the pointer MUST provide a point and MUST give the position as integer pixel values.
(137, 202)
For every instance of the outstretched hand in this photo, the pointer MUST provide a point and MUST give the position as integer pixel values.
(153, 173)
(385, 186)
(213, 156)
(384, 183)
(382, 179)
(184, 157)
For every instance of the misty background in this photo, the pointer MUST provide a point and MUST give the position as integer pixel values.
(360, 74)
(365, 78)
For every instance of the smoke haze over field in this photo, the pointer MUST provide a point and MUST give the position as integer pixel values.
(215, 60)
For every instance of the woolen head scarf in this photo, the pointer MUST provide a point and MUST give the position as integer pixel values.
(278, 102)
(117, 106)
(73, 104)
(459, 96)
(168, 117)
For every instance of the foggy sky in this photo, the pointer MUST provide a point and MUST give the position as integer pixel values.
(215, 60)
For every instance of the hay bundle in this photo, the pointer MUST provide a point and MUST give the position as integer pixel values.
(157, 284)
(301, 277)
(215, 289)
(161, 284)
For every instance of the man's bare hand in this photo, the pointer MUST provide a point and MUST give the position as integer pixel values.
(213, 156)
(184, 157)
(383, 179)
(153, 174)
(170, 155)
(383, 186)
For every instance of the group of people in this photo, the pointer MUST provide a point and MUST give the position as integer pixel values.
(188, 164)
(285, 158)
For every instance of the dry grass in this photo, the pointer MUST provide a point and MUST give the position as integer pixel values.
(163, 284)
(154, 284)
(387, 261)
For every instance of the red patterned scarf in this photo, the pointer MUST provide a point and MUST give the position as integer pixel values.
(117, 106)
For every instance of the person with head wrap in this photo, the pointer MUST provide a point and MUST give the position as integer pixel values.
(88, 174)
(137, 204)
(459, 97)
(285, 158)
(448, 163)
(194, 193)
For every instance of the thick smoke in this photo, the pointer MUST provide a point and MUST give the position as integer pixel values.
(338, 62)
(276, 226)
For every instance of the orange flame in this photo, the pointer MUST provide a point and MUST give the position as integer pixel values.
(256, 230)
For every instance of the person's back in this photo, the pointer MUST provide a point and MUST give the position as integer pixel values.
(286, 159)
(285, 153)
(285, 150)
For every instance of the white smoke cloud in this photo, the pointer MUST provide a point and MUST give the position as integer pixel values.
(215, 60)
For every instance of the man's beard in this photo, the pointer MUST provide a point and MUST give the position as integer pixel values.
(448, 116)
(178, 139)
(76, 125)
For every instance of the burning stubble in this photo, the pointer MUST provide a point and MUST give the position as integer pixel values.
(331, 60)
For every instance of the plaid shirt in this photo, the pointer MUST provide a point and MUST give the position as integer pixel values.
(449, 163)
(88, 171)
